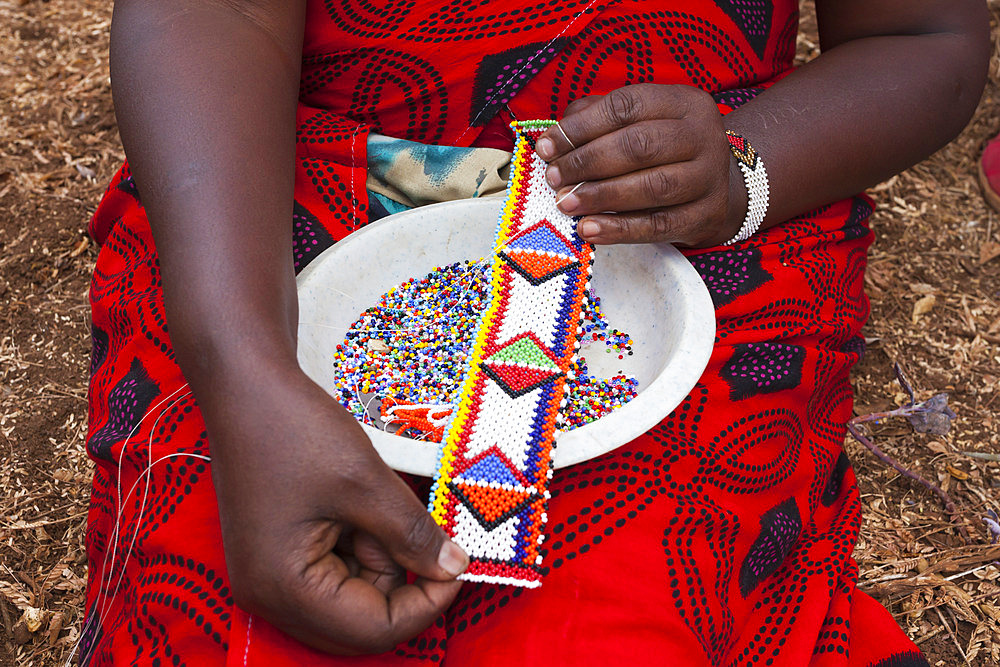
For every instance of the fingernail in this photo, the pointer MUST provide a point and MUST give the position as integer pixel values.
(568, 203)
(452, 559)
(553, 176)
(545, 148)
(589, 229)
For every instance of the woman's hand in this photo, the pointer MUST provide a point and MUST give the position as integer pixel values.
(646, 163)
(896, 80)
(318, 532)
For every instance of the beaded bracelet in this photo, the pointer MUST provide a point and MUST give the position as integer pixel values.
(490, 492)
(755, 178)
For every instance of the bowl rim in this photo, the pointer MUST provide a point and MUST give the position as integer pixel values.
(614, 430)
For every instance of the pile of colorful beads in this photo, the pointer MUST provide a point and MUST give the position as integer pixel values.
(412, 347)
(595, 326)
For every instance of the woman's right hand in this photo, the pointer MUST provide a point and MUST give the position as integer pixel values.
(318, 532)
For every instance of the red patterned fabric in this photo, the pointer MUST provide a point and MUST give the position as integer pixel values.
(721, 537)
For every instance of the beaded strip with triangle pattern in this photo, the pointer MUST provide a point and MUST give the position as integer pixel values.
(490, 492)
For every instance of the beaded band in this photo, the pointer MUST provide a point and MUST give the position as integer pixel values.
(755, 177)
(490, 492)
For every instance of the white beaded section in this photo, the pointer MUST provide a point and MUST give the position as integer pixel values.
(490, 579)
(504, 422)
(758, 197)
(480, 542)
(537, 308)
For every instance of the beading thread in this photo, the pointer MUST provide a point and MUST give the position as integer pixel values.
(755, 178)
(491, 489)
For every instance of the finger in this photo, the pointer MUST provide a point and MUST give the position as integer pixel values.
(349, 615)
(623, 151)
(373, 622)
(580, 104)
(376, 565)
(385, 582)
(344, 549)
(644, 190)
(620, 108)
(554, 141)
(414, 607)
(352, 564)
(676, 224)
(391, 513)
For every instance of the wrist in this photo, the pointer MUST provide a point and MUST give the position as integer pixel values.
(233, 354)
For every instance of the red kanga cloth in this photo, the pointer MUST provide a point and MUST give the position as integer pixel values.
(723, 536)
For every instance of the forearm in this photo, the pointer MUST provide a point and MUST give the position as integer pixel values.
(865, 109)
(205, 94)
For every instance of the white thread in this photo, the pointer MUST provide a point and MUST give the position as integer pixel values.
(357, 395)
(246, 649)
(560, 200)
(389, 423)
(142, 505)
(113, 538)
(107, 572)
(527, 64)
(565, 136)
(83, 633)
(354, 166)
(124, 564)
(341, 292)
(369, 403)
(148, 473)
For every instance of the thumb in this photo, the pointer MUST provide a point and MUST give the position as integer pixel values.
(402, 524)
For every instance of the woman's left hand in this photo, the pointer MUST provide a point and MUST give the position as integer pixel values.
(646, 163)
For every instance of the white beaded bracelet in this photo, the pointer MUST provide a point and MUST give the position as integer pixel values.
(755, 178)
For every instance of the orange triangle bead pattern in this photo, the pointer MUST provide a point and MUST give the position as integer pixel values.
(490, 491)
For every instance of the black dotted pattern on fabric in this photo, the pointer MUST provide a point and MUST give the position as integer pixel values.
(763, 368)
(684, 34)
(779, 530)
(736, 97)
(833, 486)
(309, 237)
(730, 274)
(127, 404)
(753, 18)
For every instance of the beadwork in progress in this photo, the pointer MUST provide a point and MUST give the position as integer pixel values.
(490, 491)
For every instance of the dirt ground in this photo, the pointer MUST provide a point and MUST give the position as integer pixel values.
(934, 281)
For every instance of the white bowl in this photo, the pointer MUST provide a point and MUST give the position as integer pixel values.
(649, 291)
